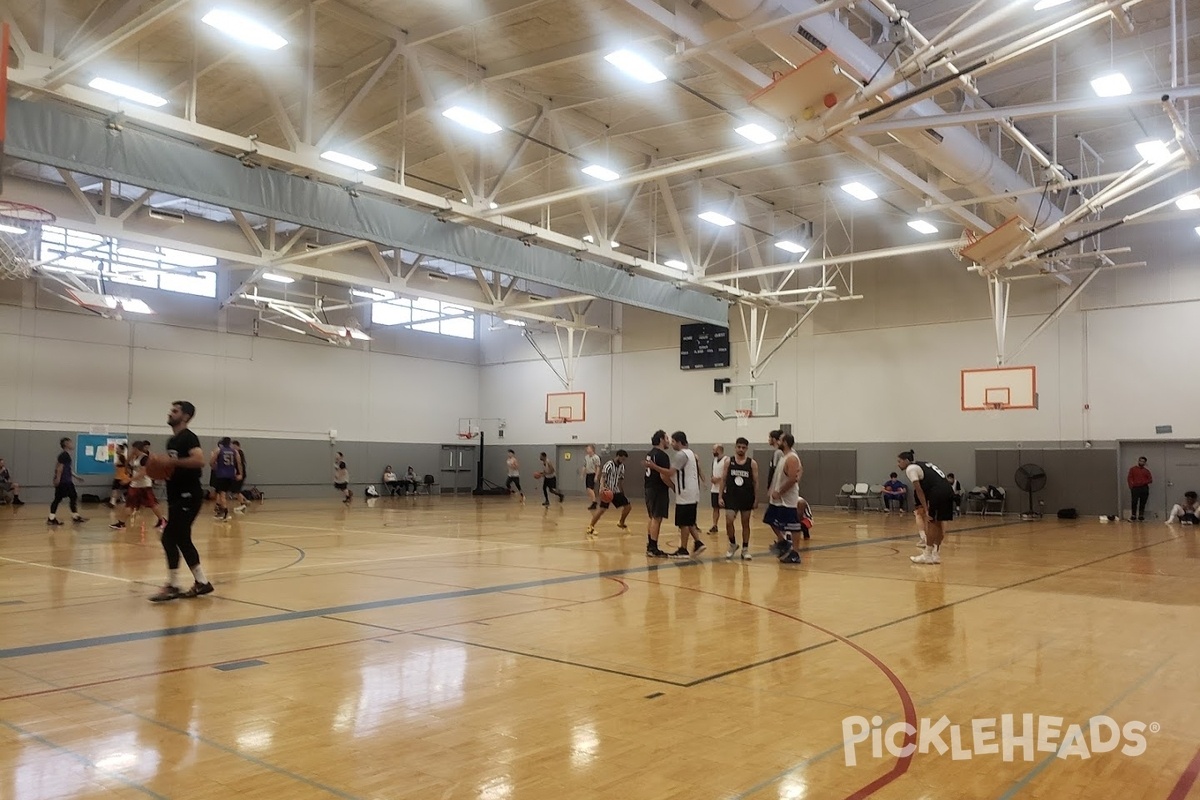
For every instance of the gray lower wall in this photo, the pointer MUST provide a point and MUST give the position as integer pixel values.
(279, 467)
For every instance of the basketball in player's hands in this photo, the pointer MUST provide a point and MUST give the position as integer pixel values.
(160, 467)
(537, 476)
(606, 496)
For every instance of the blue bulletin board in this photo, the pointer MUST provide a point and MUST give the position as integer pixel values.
(94, 452)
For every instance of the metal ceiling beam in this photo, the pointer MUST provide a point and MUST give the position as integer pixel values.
(466, 16)
(152, 16)
(847, 258)
(358, 97)
(50, 134)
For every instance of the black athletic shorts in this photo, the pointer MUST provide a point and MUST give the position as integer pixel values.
(716, 499)
(341, 487)
(237, 486)
(685, 515)
(619, 501)
(589, 481)
(941, 507)
(222, 484)
(658, 504)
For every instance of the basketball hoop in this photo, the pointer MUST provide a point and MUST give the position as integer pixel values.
(467, 435)
(967, 239)
(20, 238)
(556, 420)
(744, 415)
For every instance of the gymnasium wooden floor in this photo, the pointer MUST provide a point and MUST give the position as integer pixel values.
(442, 648)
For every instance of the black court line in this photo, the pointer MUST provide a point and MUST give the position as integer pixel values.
(291, 616)
(910, 617)
(232, 665)
(563, 661)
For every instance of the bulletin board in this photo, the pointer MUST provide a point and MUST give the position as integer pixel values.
(94, 453)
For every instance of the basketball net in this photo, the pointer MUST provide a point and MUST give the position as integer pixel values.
(744, 415)
(20, 237)
(967, 239)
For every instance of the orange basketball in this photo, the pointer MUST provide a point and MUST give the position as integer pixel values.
(606, 496)
(537, 476)
(160, 467)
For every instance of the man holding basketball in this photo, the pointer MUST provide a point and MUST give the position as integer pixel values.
(181, 467)
(612, 492)
(933, 493)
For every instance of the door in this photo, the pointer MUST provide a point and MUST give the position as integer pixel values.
(458, 468)
(1182, 474)
(570, 466)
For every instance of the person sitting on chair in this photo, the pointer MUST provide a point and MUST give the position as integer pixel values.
(958, 492)
(8, 489)
(1186, 512)
(391, 481)
(411, 480)
(894, 493)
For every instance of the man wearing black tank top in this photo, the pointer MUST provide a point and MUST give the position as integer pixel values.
(934, 493)
(658, 492)
(739, 496)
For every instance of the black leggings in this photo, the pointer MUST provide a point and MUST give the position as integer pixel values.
(513, 481)
(177, 535)
(549, 487)
(66, 492)
(1140, 495)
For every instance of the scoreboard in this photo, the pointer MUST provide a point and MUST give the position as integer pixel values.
(703, 346)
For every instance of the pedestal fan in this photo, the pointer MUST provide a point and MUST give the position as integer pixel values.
(1030, 478)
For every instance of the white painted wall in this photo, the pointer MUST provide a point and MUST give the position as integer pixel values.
(71, 371)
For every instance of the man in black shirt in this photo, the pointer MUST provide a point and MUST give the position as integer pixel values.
(185, 495)
(64, 483)
(658, 492)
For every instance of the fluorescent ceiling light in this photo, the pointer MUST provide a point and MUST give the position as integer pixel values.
(348, 161)
(756, 133)
(921, 226)
(1189, 202)
(516, 323)
(717, 219)
(134, 306)
(1111, 85)
(1042, 5)
(13, 230)
(600, 173)
(470, 119)
(1153, 150)
(675, 263)
(791, 247)
(857, 190)
(127, 92)
(275, 278)
(635, 66)
(243, 29)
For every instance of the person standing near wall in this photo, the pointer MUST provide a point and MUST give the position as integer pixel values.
(591, 474)
(224, 465)
(341, 478)
(64, 483)
(239, 480)
(1139, 480)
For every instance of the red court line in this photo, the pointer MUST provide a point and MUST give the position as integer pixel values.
(1187, 779)
(910, 711)
(391, 631)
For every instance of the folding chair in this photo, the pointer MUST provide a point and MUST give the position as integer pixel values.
(859, 494)
(842, 498)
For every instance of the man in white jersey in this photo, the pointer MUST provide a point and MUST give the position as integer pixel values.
(513, 481)
(591, 474)
(776, 456)
(715, 481)
(686, 474)
(612, 479)
(782, 510)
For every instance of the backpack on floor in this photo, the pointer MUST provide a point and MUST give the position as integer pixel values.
(371, 491)
(1068, 513)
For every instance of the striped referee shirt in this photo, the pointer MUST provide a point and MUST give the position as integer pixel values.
(613, 475)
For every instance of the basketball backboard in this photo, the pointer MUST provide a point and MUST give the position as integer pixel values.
(1003, 388)
(756, 398)
(566, 407)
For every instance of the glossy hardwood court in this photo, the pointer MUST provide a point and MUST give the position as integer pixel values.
(442, 648)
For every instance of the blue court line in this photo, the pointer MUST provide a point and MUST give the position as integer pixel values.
(292, 616)
(1033, 773)
(82, 759)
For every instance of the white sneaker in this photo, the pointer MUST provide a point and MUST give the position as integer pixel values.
(732, 551)
(928, 557)
(746, 554)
